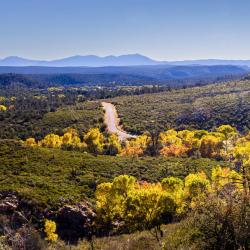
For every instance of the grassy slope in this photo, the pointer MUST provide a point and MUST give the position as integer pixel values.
(47, 175)
(199, 107)
(82, 116)
(135, 241)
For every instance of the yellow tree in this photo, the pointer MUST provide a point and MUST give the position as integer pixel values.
(135, 205)
(210, 146)
(198, 134)
(2, 99)
(171, 144)
(110, 198)
(172, 184)
(51, 141)
(105, 204)
(94, 140)
(50, 229)
(30, 142)
(169, 138)
(113, 145)
(3, 108)
(186, 137)
(241, 154)
(175, 187)
(148, 206)
(192, 139)
(136, 146)
(71, 139)
(196, 186)
(174, 150)
(222, 177)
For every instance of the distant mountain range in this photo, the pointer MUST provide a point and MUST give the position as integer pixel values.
(123, 60)
(81, 61)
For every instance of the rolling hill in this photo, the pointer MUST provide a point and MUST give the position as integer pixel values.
(197, 107)
(129, 75)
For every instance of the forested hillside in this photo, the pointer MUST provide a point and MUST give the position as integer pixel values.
(172, 76)
(199, 108)
(66, 182)
(103, 148)
(37, 117)
(45, 175)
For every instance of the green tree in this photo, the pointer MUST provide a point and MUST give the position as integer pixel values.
(196, 186)
(229, 133)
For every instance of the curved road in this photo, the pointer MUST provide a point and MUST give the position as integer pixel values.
(112, 121)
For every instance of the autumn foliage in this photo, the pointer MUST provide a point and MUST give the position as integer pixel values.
(127, 204)
(219, 143)
(50, 230)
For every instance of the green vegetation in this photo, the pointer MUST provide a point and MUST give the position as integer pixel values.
(168, 189)
(47, 175)
(36, 117)
(81, 116)
(184, 183)
(215, 144)
(133, 241)
(199, 107)
(126, 205)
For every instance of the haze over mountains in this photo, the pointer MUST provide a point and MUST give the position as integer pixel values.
(130, 75)
(124, 69)
(123, 60)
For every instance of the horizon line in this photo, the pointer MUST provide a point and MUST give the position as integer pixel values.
(130, 54)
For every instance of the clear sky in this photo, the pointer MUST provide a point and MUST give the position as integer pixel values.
(161, 29)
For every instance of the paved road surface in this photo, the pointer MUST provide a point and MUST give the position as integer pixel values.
(112, 121)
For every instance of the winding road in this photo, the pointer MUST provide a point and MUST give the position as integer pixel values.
(112, 121)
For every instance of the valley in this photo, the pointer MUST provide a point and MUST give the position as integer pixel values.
(124, 125)
(111, 165)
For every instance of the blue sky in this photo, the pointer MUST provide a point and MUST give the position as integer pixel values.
(161, 29)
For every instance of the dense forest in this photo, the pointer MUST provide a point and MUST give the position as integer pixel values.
(182, 182)
(172, 76)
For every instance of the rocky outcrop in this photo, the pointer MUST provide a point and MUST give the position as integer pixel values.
(76, 222)
(8, 202)
(73, 222)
